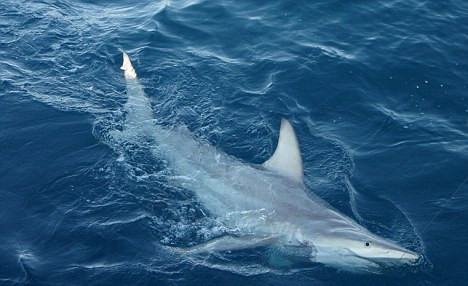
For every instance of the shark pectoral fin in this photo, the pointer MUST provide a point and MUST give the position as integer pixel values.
(277, 259)
(284, 255)
(228, 243)
(287, 158)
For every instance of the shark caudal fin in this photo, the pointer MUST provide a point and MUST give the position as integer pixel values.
(127, 67)
(287, 158)
(138, 106)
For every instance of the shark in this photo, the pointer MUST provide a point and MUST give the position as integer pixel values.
(267, 203)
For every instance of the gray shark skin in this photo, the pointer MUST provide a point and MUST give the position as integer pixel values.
(267, 203)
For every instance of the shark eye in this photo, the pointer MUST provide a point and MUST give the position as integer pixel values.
(367, 244)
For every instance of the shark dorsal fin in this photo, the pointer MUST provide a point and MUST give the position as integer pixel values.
(287, 158)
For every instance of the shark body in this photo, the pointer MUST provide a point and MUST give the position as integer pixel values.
(268, 203)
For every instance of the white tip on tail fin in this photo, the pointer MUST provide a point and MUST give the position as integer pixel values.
(127, 67)
(287, 158)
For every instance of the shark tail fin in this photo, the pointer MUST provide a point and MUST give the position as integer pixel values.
(127, 67)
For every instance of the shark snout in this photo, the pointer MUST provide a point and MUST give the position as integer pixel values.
(394, 251)
(408, 255)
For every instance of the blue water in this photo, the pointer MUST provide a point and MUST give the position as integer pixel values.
(377, 92)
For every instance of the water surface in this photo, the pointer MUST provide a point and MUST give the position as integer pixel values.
(376, 90)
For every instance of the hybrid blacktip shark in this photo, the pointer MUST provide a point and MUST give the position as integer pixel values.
(267, 203)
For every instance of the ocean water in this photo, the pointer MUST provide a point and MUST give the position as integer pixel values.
(377, 92)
